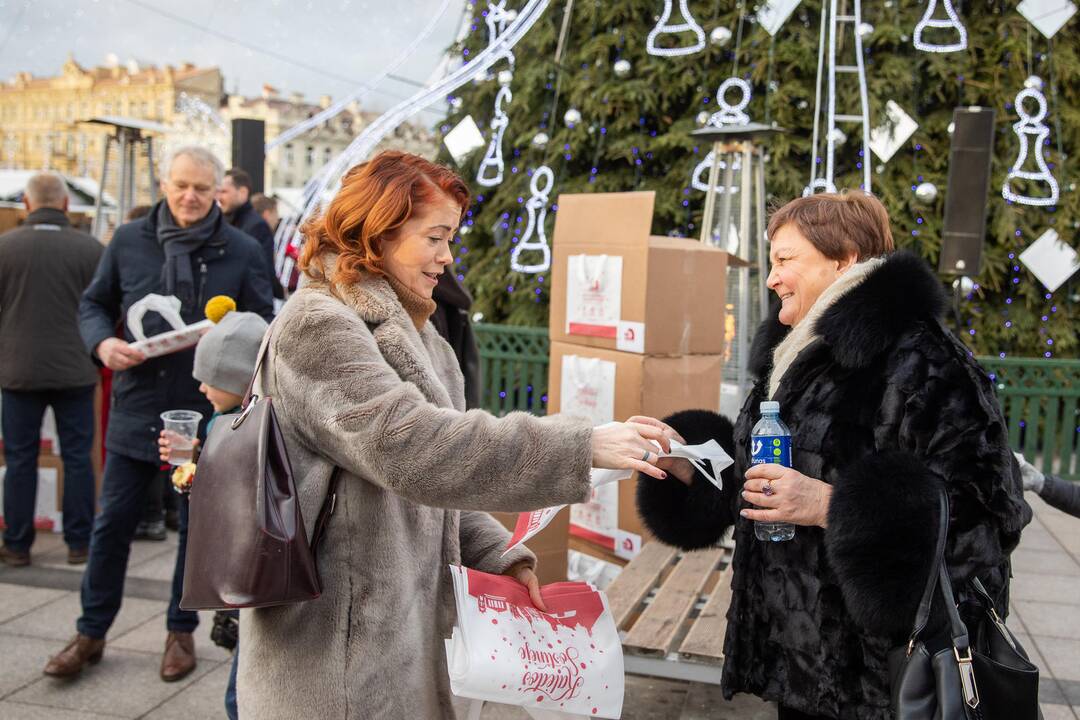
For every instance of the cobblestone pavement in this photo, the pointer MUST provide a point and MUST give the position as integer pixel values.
(39, 604)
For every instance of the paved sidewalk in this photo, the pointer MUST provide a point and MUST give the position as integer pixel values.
(39, 605)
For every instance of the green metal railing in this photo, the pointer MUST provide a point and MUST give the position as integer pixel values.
(1041, 403)
(1040, 398)
(513, 368)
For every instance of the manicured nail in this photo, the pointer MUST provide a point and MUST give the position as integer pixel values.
(663, 476)
(743, 513)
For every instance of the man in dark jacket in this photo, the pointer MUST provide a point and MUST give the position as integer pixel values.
(183, 248)
(451, 319)
(234, 197)
(44, 267)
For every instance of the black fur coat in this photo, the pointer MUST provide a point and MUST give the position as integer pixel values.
(887, 407)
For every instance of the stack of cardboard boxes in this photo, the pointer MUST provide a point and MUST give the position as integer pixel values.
(637, 327)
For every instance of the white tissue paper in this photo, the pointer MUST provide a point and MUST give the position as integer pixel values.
(182, 336)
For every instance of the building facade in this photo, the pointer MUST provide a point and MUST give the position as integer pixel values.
(292, 164)
(42, 119)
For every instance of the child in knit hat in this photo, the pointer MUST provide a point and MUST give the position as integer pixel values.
(225, 360)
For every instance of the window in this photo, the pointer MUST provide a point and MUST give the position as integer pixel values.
(289, 158)
(327, 154)
(309, 156)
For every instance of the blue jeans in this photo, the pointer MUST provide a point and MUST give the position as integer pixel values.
(122, 494)
(230, 691)
(23, 411)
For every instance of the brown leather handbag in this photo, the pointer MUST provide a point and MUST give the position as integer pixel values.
(247, 546)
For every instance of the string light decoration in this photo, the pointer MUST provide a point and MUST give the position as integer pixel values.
(831, 21)
(322, 187)
(728, 114)
(1031, 129)
(952, 22)
(493, 158)
(536, 207)
(663, 27)
(497, 17)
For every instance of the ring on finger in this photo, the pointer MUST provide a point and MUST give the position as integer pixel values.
(645, 457)
(767, 489)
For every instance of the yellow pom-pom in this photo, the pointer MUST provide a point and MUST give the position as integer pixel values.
(218, 307)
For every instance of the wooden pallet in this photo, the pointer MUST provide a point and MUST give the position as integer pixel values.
(670, 609)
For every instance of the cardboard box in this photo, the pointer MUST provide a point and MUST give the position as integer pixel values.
(615, 287)
(549, 545)
(609, 385)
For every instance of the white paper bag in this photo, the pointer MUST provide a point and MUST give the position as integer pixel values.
(593, 295)
(505, 650)
(182, 336)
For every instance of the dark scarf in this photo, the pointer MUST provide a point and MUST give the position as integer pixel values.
(179, 243)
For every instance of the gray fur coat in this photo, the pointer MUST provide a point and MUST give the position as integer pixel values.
(356, 386)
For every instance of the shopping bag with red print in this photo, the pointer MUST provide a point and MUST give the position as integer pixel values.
(503, 649)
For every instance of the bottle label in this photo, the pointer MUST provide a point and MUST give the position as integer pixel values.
(774, 449)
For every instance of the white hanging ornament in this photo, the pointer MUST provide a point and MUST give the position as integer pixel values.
(702, 119)
(536, 206)
(664, 27)
(497, 19)
(728, 114)
(926, 192)
(719, 37)
(540, 139)
(493, 158)
(952, 22)
(505, 77)
(865, 30)
(455, 103)
(572, 117)
(838, 136)
(621, 68)
(1031, 129)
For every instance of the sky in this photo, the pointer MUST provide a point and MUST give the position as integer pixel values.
(311, 46)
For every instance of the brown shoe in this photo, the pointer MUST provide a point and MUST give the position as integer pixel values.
(13, 558)
(78, 653)
(179, 658)
(78, 556)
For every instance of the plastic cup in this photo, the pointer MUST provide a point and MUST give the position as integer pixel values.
(181, 427)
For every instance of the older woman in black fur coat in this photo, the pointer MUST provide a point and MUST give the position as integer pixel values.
(885, 407)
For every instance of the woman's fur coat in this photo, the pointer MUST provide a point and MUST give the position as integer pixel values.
(357, 387)
(885, 405)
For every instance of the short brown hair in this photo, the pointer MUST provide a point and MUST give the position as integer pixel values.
(839, 224)
(240, 178)
(262, 203)
(376, 198)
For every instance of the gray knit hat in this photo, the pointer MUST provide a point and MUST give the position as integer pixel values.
(226, 355)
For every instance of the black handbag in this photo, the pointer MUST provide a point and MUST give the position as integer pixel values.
(982, 675)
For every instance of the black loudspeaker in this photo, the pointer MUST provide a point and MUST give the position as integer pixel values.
(248, 149)
(968, 192)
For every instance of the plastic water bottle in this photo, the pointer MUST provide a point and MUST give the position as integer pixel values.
(770, 442)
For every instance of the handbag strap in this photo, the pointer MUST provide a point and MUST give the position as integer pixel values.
(264, 350)
(923, 614)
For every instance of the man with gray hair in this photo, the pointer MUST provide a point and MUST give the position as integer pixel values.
(44, 267)
(183, 248)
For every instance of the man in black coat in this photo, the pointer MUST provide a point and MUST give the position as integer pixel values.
(183, 248)
(44, 267)
(451, 319)
(234, 197)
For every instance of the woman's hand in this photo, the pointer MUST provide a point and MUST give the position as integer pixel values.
(523, 573)
(631, 445)
(679, 467)
(781, 494)
(164, 442)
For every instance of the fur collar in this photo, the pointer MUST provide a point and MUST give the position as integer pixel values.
(867, 319)
(806, 331)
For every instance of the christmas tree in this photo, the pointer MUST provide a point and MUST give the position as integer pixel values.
(607, 116)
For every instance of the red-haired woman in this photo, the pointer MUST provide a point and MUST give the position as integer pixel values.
(886, 409)
(363, 382)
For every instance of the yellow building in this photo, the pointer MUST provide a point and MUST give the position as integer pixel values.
(40, 117)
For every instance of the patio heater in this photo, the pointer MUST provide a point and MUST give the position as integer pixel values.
(734, 220)
(128, 135)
